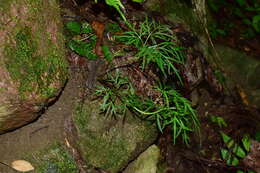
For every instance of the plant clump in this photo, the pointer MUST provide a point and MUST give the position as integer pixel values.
(118, 96)
(156, 44)
(153, 45)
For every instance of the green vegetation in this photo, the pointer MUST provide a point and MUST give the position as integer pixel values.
(156, 44)
(85, 45)
(114, 93)
(218, 120)
(113, 28)
(175, 111)
(247, 11)
(118, 95)
(54, 159)
(119, 141)
(233, 152)
(34, 72)
(117, 4)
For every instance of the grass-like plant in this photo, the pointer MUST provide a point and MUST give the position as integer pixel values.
(118, 95)
(175, 111)
(156, 44)
(112, 92)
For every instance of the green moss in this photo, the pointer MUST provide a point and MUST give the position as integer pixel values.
(4, 4)
(53, 159)
(108, 151)
(108, 143)
(34, 72)
(100, 152)
(108, 156)
(80, 117)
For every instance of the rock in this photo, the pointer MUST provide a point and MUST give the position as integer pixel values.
(146, 162)
(152, 5)
(242, 72)
(33, 68)
(109, 143)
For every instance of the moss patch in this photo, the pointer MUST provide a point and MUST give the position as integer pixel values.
(108, 143)
(35, 73)
(53, 159)
(5, 3)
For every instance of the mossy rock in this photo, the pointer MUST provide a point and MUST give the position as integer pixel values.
(146, 162)
(32, 61)
(52, 159)
(242, 71)
(109, 143)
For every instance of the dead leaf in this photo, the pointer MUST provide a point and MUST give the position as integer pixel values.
(247, 49)
(22, 166)
(99, 28)
(67, 143)
(243, 95)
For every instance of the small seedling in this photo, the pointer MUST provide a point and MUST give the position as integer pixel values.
(233, 152)
(218, 120)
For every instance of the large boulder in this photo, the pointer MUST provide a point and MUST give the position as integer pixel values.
(33, 68)
(109, 143)
(242, 74)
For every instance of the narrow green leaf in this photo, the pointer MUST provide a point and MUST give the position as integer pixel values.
(238, 151)
(224, 153)
(240, 171)
(256, 23)
(233, 161)
(159, 123)
(138, 1)
(107, 53)
(86, 28)
(225, 137)
(82, 48)
(246, 142)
